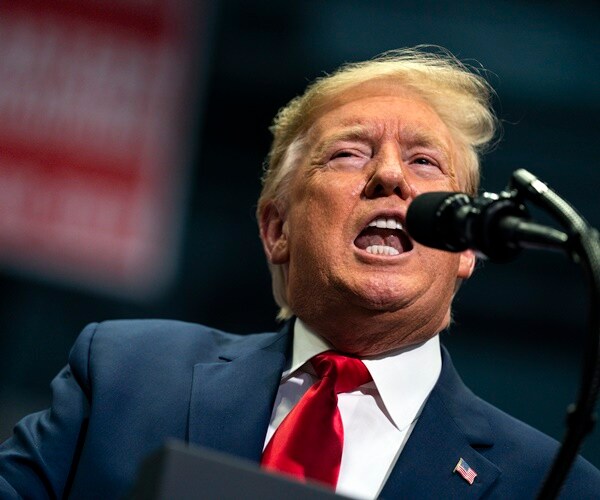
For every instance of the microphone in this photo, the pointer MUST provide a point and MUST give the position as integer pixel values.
(496, 226)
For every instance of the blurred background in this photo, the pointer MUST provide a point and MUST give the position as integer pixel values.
(132, 135)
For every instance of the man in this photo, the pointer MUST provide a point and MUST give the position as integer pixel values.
(348, 157)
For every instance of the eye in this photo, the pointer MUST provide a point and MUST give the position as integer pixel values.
(427, 166)
(424, 161)
(348, 158)
(343, 154)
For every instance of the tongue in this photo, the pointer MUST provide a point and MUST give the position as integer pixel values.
(379, 236)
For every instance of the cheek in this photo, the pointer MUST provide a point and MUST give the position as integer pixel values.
(320, 211)
(332, 196)
(443, 266)
(420, 186)
(357, 188)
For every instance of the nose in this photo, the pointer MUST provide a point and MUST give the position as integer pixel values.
(388, 179)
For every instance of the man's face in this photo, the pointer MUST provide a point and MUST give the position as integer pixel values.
(340, 234)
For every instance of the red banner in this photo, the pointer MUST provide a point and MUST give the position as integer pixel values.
(92, 114)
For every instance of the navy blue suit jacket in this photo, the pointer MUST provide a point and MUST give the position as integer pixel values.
(129, 385)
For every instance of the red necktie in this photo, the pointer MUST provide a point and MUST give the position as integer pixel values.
(308, 443)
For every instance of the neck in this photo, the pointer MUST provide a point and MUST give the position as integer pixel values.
(374, 332)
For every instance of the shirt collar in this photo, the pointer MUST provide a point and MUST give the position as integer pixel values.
(404, 377)
(306, 344)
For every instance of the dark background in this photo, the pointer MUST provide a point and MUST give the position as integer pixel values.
(518, 333)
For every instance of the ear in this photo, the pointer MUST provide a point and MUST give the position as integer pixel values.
(466, 264)
(273, 233)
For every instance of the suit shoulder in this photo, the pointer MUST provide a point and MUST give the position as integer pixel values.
(174, 330)
(171, 330)
(136, 340)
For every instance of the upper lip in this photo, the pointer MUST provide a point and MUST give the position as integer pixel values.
(399, 216)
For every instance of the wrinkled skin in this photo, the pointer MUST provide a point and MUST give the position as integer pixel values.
(368, 154)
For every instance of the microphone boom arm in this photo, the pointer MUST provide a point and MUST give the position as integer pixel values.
(584, 247)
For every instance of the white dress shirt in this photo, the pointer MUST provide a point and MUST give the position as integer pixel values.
(378, 417)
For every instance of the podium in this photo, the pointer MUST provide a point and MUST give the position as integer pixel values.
(183, 472)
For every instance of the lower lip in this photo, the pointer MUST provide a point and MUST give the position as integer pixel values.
(379, 258)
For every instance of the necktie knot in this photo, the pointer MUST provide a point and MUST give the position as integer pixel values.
(346, 373)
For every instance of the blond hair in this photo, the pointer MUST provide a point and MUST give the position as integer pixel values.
(457, 93)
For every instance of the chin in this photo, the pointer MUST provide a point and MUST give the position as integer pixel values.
(381, 305)
(381, 297)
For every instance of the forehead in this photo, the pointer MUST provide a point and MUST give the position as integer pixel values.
(380, 107)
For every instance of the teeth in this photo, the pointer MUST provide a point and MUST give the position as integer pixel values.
(384, 223)
(382, 250)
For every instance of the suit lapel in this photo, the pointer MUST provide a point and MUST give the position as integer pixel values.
(451, 426)
(232, 399)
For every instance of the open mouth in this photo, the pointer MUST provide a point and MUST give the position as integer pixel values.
(384, 236)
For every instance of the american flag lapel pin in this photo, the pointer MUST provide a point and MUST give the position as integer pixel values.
(465, 471)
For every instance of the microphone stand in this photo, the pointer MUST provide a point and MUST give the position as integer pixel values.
(582, 244)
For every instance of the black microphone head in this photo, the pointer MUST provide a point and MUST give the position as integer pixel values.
(431, 220)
